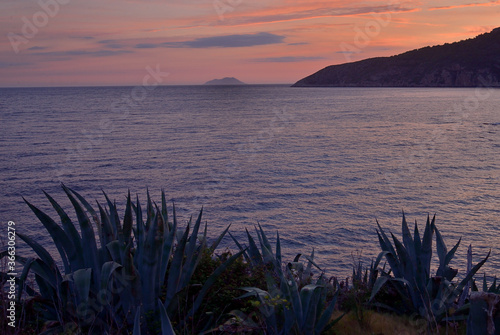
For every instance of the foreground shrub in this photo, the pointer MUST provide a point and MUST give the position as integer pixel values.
(435, 298)
(143, 274)
(292, 304)
(117, 272)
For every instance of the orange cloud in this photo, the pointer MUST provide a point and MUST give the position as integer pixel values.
(309, 11)
(491, 3)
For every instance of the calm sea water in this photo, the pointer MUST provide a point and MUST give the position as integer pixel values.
(319, 165)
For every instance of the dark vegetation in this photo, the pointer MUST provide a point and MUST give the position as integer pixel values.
(141, 273)
(470, 63)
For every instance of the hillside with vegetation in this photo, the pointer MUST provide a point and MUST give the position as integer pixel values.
(470, 63)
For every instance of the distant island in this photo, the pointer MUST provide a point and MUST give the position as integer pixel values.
(470, 63)
(225, 81)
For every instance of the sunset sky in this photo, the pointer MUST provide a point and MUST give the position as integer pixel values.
(111, 42)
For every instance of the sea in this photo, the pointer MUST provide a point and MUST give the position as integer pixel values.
(319, 166)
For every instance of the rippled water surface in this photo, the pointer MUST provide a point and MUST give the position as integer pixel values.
(319, 165)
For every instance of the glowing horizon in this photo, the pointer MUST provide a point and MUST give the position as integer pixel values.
(71, 43)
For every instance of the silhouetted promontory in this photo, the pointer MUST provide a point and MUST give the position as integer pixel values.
(470, 63)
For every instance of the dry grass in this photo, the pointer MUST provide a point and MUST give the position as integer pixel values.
(372, 322)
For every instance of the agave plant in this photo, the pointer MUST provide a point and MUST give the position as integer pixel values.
(286, 309)
(483, 317)
(265, 257)
(493, 288)
(111, 267)
(291, 305)
(431, 296)
(368, 277)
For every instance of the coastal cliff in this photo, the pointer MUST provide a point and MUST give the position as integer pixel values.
(469, 63)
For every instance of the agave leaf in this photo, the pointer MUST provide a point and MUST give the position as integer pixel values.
(379, 283)
(426, 251)
(174, 217)
(267, 310)
(106, 230)
(174, 284)
(254, 291)
(333, 323)
(127, 221)
(240, 247)
(166, 325)
(130, 291)
(294, 297)
(451, 253)
(70, 230)
(267, 253)
(190, 257)
(89, 208)
(149, 210)
(219, 239)
(465, 292)
(253, 251)
(310, 263)
(114, 219)
(447, 271)
(278, 250)
(203, 238)
(379, 259)
(164, 211)
(168, 244)
(327, 315)
(88, 237)
(149, 266)
(59, 237)
(82, 279)
(493, 287)
(140, 233)
(43, 254)
(107, 271)
(310, 298)
(405, 267)
(408, 241)
(386, 245)
(47, 291)
(115, 250)
(470, 274)
(42, 270)
(485, 283)
(289, 314)
(137, 322)
(24, 275)
(441, 247)
(67, 224)
(264, 240)
(211, 280)
(416, 241)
